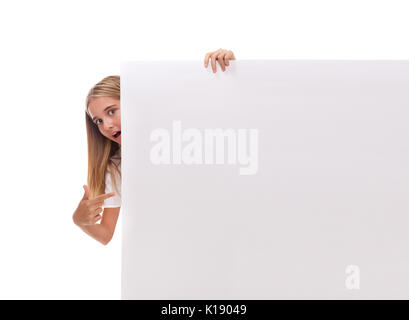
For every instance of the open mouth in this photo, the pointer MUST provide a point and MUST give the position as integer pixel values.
(116, 135)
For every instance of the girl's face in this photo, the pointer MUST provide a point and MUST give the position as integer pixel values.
(106, 114)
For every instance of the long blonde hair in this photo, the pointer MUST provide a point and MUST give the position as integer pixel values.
(100, 148)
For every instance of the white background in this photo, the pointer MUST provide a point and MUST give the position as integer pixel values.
(53, 52)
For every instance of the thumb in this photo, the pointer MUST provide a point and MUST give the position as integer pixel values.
(86, 193)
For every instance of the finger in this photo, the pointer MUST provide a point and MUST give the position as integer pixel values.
(214, 62)
(206, 60)
(97, 210)
(96, 205)
(226, 60)
(220, 58)
(229, 56)
(86, 192)
(97, 218)
(102, 197)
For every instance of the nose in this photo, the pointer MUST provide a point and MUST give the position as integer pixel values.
(107, 124)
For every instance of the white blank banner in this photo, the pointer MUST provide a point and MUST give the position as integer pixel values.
(275, 179)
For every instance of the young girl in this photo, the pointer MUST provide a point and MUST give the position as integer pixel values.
(103, 124)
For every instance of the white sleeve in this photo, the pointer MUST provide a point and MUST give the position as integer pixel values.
(115, 201)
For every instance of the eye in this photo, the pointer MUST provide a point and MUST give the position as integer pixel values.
(96, 122)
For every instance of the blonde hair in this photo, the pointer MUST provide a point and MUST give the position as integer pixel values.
(100, 148)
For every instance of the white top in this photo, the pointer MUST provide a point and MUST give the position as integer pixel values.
(115, 201)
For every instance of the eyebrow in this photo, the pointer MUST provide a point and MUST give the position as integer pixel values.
(104, 110)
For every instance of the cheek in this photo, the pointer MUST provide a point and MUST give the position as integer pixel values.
(103, 133)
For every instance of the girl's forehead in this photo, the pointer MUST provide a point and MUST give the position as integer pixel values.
(99, 104)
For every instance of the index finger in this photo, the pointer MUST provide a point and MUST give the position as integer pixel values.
(206, 60)
(103, 197)
(213, 57)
